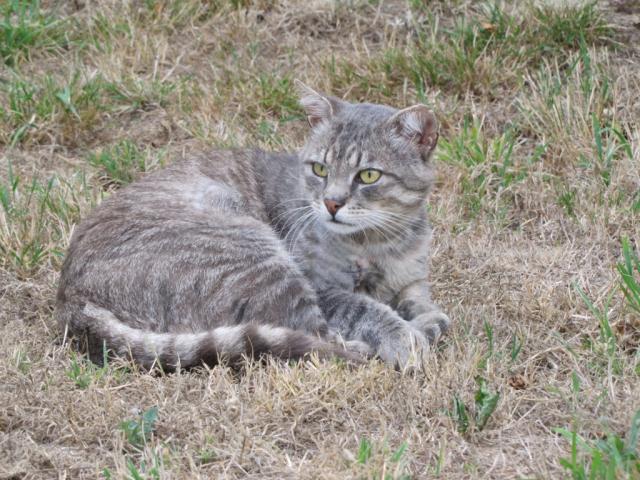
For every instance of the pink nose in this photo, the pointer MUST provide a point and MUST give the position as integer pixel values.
(333, 207)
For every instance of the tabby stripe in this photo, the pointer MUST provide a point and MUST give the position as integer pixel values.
(185, 350)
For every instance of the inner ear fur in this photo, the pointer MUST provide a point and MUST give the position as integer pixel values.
(317, 106)
(418, 125)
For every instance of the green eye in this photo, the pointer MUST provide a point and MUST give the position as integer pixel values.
(369, 176)
(320, 169)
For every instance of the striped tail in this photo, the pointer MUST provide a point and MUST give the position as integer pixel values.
(228, 344)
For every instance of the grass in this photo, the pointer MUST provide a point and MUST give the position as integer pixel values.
(536, 214)
(24, 28)
(121, 163)
(486, 402)
(37, 216)
(138, 431)
(629, 270)
(35, 110)
(606, 459)
(489, 167)
(478, 50)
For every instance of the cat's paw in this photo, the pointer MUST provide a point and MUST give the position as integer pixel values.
(432, 325)
(356, 346)
(404, 347)
(361, 348)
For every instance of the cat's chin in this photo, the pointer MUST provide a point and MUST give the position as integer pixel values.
(341, 228)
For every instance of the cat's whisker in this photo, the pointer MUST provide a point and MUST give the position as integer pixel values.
(292, 200)
(403, 218)
(308, 223)
(297, 225)
(377, 224)
(389, 231)
(397, 220)
(290, 212)
(410, 219)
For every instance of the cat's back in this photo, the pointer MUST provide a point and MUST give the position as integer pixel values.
(182, 207)
(200, 182)
(195, 190)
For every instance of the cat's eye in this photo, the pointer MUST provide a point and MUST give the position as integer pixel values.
(368, 176)
(320, 169)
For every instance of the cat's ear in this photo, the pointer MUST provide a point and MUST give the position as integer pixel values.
(418, 125)
(318, 107)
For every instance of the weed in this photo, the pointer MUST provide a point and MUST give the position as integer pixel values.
(31, 105)
(607, 459)
(437, 470)
(460, 414)
(606, 348)
(364, 450)
(206, 456)
(515, 348)
(23, 362)
(144, 471)
(485, 403)
(84, 372)
(607, 336)
(567, 200)
(488, 331)
(393, 461)
(138, 431)
(629, 270)
(609, 144)
(635, 206)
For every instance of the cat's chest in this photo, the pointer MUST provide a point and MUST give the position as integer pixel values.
(381, 278)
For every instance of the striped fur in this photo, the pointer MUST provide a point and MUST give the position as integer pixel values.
(228, 344)
(232, 253)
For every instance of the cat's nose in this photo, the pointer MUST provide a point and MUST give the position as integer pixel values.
(333, 206)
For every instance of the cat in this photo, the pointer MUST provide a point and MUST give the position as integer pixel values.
(234, 253)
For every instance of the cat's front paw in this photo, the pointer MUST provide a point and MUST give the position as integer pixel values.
(356, 346)
(403, 347)
(432, 325)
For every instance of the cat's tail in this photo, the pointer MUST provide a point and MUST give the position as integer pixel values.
(171, 351)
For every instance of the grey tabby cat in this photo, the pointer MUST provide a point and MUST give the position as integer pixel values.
(246, 252)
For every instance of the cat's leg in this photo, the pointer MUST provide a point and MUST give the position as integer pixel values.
(414, 304)
(271, 288)
(358, 317)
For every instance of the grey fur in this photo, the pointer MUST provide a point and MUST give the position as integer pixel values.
(233, 252)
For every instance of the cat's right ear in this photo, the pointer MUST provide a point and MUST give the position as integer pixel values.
(417, 125)
(319, 108)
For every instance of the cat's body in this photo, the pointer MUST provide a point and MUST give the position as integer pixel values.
(245, 252)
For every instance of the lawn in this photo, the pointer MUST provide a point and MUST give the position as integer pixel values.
(536, 217)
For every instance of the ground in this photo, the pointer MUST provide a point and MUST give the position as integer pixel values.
(536, 215)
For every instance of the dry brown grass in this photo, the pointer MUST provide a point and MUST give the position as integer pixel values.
(149, 81)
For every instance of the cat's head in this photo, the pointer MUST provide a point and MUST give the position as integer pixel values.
(366, 167)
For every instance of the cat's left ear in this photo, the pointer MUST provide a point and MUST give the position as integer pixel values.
(418, 125)
(318, 107)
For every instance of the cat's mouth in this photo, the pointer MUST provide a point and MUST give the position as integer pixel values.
(341, 227)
